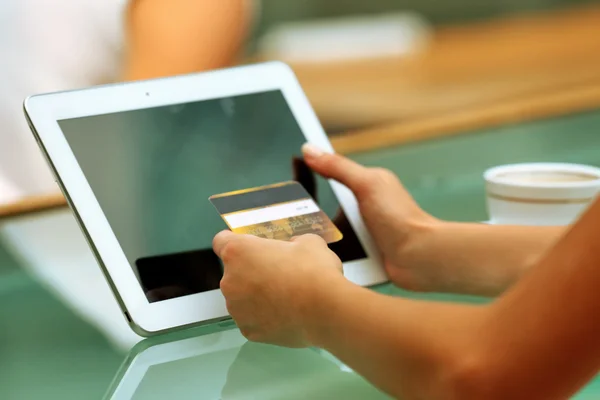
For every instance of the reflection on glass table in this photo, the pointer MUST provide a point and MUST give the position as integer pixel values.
(223, 365)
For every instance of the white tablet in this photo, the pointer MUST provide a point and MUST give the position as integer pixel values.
(138, 161)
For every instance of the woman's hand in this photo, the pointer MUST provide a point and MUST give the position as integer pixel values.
(422, 253)
(393, 218)
(273, 288)
(540, 336)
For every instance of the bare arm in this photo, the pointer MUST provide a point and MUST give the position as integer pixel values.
(423, 253)
(479, 259)
(538, 340)
(183, 36)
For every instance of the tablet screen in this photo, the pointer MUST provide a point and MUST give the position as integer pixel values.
(152, 171)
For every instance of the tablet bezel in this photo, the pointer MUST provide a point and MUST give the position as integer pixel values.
(43, 113)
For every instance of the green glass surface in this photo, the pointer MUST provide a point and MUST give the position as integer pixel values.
(46, 352)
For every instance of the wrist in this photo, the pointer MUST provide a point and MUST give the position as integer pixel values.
(326, 303)
(418, 261)
(416, 246)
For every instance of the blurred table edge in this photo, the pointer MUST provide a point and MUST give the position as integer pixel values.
(31, 205)
(552, 104)
(461, 67)
(538, 106)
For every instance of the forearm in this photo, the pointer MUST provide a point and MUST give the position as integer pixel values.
(478, 259)
(409, 349)
(182, 36)
(538, 340)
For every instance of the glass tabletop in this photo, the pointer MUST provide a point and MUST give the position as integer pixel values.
(223, 365)
(51, 347)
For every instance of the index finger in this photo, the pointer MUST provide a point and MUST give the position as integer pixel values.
(337, 167)
(309, 239)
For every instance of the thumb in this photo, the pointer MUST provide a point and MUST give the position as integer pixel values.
(336, 167)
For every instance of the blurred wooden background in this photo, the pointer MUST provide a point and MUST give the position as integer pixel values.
(466, 66)
(472, 76)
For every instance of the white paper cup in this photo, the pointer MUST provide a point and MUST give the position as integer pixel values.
(540, 193)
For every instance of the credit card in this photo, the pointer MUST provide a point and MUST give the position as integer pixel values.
(279, 211)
